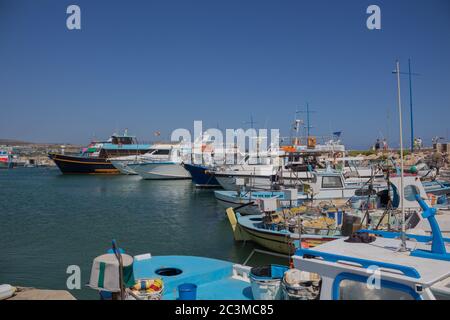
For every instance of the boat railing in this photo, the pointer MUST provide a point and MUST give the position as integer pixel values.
(364, 263)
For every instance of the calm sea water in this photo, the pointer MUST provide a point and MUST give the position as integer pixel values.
(49, 221)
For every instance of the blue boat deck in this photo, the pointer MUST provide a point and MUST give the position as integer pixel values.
(213, 277)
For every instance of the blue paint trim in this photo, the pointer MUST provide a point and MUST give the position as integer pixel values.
(438, 250)
(363, 279)
(430, 255)
(365, 263)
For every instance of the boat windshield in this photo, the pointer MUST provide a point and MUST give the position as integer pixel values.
(122, 140)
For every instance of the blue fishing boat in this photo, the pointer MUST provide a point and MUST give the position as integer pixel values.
(147, 277)
(214, 279)
(201, 176)
(119, 276)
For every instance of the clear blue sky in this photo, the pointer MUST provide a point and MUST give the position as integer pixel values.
(160, 65)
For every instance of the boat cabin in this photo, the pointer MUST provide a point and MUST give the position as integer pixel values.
(122, 145)
(122, 140)
(172, 152)
(331, 184)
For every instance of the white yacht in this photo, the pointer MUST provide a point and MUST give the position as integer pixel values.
(164, 162)
(126, 164)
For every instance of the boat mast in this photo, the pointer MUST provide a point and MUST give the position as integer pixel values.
(410, 74)
(308, 123)
(403, 232)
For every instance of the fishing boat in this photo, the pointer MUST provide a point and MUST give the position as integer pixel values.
(294, 168)
(117, 275)
(283, 166)
(324, 186)
(95, 158)
(397, 266)
(258, 175)
(147, 277)
(278, 228)
(275, 237)
(404, 266)
(283, 230)
(126, 164)
(328, 185)
(354, 168)
(167, 164)
(6, 159)
(249, 200)
(402, 269)
(201, 176)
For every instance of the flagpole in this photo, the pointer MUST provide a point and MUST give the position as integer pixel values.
(403, 232)
(411, 106)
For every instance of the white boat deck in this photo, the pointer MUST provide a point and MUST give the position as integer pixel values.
(444, 223)
(386, 250)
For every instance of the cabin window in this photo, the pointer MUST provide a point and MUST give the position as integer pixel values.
(122, 140)
(126, 140)
(355, 287)
(331, 182)
(159, 152)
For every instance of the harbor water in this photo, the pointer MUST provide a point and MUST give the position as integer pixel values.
(50, 221)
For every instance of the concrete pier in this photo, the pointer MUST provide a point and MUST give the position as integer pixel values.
(24, 293)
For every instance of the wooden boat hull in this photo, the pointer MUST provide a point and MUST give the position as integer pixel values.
(82, 165)
(274, 241)
(282, 244)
